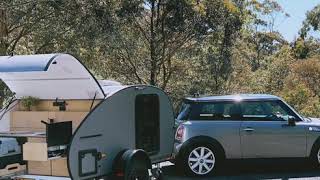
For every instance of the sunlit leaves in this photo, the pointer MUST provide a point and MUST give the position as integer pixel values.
(312, 22)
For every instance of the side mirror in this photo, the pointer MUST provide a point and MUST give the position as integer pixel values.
(291, 121)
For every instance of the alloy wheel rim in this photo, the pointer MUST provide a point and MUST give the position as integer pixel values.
(201, 160)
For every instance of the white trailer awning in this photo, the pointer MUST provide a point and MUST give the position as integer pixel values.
(49, 76)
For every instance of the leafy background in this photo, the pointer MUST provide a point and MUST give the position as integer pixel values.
(182, 46)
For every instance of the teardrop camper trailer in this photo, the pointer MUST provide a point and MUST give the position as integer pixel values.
(80, 128)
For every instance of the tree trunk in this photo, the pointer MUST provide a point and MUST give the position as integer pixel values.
(3, 32)
(153, 58)
(3, 47)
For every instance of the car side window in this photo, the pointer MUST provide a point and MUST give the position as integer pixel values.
(215, 111)
(184, 111)
(264, 111)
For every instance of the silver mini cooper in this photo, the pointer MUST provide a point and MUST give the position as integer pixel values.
(212, 129)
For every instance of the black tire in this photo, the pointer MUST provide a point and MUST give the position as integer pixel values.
(315, 155)
(202, 166)
(131, 165)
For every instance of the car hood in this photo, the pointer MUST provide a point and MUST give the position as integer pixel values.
(313, 121)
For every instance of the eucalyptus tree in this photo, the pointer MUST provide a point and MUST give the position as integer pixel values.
(32, 26)
(312, 22)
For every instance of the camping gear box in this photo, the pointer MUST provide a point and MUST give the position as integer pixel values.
(55, 167)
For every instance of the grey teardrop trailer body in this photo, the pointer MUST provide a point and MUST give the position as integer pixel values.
(135, 117)
(126, 117)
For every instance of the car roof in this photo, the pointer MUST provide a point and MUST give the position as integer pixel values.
(235, 97)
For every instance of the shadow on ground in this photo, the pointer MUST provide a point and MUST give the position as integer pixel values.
(253, 171)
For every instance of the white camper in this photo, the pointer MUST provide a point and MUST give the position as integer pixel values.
(81, 128)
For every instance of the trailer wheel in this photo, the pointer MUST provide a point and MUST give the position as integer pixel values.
(136, 174)
(132, 165)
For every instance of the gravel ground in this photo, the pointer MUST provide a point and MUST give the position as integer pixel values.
(252, 171)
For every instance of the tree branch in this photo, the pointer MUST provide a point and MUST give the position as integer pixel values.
(14, 42)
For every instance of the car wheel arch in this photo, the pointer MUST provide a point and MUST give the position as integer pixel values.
(205, 139)
(315, 147)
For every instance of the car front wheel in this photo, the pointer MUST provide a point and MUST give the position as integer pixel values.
(200, 160)
(315, 155)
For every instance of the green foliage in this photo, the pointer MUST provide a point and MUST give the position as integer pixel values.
(312, 22)
(301, 50)
(297, 96)
(305, 48)
(302, 99)
(301, 87)
(28, 102)
(308, 73)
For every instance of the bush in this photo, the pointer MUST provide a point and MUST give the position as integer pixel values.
(29, 101)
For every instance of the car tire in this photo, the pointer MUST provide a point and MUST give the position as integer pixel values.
(200, 159)
(315, 155)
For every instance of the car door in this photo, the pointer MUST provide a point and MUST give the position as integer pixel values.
(219, 120)
(265, 133)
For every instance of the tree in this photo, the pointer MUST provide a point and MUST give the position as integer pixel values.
(152, 34)
(312, 22)
(159, 29)
(304, 48)
(19, 20)
(302, 99)
(308, 73)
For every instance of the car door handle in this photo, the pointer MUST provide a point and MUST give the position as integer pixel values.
(248, 129)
